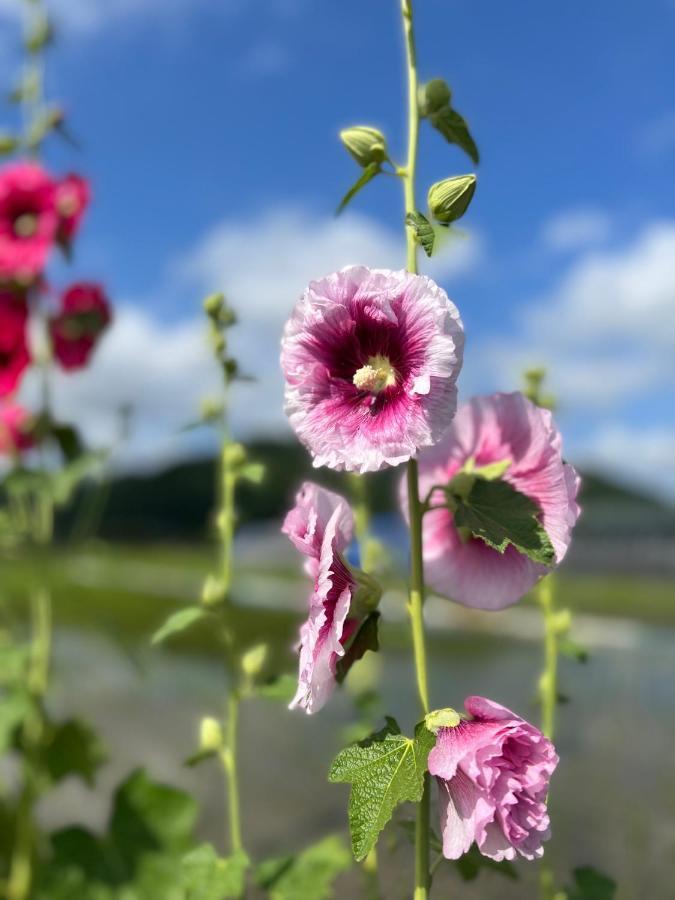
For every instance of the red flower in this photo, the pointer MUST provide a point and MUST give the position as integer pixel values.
(28, 221)
(15, 429)
(75, 330)
(72, 199)
(14, 355)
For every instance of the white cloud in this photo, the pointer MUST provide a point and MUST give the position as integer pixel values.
(575, 228)
(607, 332)
(164, 369)
(644, 454)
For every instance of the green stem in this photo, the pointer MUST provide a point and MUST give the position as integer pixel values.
(229, 758)
(549, 677)
(20, 873)
(415, 606)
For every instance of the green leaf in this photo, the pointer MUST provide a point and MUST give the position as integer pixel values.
(370, 171)
(469, 866)
(424, 231)
(384, 770)
(73, 748)
(178, 622)
(14, 707)
(589, 884)
(307, 876)
(366, 638)
(253, 472)
(498, 514)
(571, 648)
(148, 817)
(206, 876)
(455, 130)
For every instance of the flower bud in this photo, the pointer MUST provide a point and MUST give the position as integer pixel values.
(214, 304)
(449, 199)
(367, 145)
(210, 735)
(212, 591)
(234, 455)
(253, 660)
(434, 95)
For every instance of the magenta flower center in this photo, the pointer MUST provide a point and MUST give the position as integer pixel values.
(377, 375)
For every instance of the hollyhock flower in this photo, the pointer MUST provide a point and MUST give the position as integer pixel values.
(15, 433)
(28, 221)
(493, 772)
(72, 199)
(371, 359)
(487, 430)
(321, 527)
(84, 314)
(14, 354)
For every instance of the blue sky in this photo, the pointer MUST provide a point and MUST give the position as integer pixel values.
(209, 130)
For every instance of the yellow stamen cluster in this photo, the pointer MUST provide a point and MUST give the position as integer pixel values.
(375, 376)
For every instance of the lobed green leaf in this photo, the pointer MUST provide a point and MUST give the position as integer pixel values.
(424, 231)
(384, 770)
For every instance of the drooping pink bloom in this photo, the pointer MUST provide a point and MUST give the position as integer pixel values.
(14, 354)
(15, 432)
(371, 359)
(493, 773)
(486, 430)
(75, 330)
(321, 526)
(28, 221)
(73, 195)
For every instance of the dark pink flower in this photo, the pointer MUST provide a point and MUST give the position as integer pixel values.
(321, 526)
(28, 221)
(73, 196)
(14, 354)
(493, 773)
(15, 430)
(371, 359)
(83, 315)
(488, 430)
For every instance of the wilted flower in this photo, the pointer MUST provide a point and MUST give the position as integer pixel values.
(72, 199)
(493, 772)
(14, 355)
(321, 526)
(28, 221)
(83, 315)
(15, 430)
(371, 359)
(497, 428)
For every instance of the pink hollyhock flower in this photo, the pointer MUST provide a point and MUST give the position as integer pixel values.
(14, 355)
(73, 195)
(493, 772)
(371, 359)
(84, 314)
(321, 526)
(15, 433)
(488, 430)
(28, 221)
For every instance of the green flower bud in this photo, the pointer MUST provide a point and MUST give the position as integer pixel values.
(449, 199)
(434, 95)
(212, 591)
(253, 660)
(214, 304)
(210, 735)
(367, 145)
(234, 455)
(211, 409)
